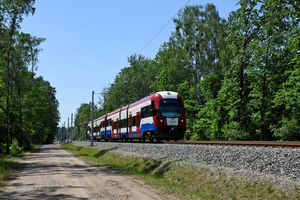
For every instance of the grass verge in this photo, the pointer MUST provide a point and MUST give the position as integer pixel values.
(8, 166)
(184, 181)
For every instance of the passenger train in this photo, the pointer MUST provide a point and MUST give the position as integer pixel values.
(160, 116)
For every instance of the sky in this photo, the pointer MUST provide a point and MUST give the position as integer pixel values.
(88, 42)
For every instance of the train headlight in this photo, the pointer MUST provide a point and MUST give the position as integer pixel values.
(160, 120)
(182, 120)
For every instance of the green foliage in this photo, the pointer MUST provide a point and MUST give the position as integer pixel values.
(15, 149)
(131, 84)
(239, 77)
(6, 168)
(288, 98)
(28, 106)
(82, 117)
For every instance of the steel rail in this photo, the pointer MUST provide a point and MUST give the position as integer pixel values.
(277, 144)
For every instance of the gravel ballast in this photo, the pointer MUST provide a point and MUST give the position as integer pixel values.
(282, 164)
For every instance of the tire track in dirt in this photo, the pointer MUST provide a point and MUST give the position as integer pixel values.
(54, 173)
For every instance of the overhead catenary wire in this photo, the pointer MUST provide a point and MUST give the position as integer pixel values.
(163, 27)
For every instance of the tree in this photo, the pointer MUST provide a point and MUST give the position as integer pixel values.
(287, 98)
(241, 30)
(200, 33)
(82, 117)
(12, 13)
(132, 83)
(27, 104)
(269, 61)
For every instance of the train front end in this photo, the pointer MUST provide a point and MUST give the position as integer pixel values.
(168, 115)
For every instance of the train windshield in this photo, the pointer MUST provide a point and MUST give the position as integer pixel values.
(170, 107)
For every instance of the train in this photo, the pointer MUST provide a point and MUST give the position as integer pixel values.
(160, 116)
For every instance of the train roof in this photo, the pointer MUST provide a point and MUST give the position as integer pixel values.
(163, 94)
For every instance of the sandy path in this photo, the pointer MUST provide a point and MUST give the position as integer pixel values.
(53, 173)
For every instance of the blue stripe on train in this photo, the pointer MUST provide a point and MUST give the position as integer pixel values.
(144, 127)
(133, 134)
(102, 133)
(108, 132)
(148, 127)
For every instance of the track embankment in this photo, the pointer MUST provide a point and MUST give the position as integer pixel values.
(280, 164)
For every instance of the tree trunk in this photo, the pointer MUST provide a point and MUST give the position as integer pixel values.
(12, 30)
(21, 121)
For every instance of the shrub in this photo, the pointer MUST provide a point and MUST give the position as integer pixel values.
(15, 149)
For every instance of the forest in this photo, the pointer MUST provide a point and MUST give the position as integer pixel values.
(239, 77)
(28, 106)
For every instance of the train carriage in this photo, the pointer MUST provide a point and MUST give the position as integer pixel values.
(113, 121)
(156, 117)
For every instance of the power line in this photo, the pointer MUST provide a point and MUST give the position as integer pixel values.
(162, 28)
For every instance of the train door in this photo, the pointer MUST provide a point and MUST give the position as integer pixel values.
(138, 123)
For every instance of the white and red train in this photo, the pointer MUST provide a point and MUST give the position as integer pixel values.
(156, 117)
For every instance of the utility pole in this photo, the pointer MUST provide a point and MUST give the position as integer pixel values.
(64, 133)
(68, 132)
(61, 133)
(71, 127)
(92, 116)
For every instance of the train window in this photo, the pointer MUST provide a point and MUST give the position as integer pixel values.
(170, 107)
(109, 122)
(146, 111)
(134, 121)
(142, 112)
(123, 123)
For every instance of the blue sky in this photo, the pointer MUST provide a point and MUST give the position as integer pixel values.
(88, 42)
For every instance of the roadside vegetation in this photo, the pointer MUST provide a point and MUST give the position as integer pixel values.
(28, 106)
(6, 168)
(184, 181)
(7, 165)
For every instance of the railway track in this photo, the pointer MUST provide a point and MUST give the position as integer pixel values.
(275, 144)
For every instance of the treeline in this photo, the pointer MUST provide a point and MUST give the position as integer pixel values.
(239, 77)
(28, 106)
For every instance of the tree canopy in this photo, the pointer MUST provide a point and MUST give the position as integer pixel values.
(239, 77)
(28, 106)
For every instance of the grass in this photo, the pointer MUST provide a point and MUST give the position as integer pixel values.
(182, 180)
(8, 167)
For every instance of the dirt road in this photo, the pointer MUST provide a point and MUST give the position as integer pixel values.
(53, 173)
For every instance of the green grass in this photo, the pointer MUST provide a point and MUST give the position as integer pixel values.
(184, 181)
(8, 167)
